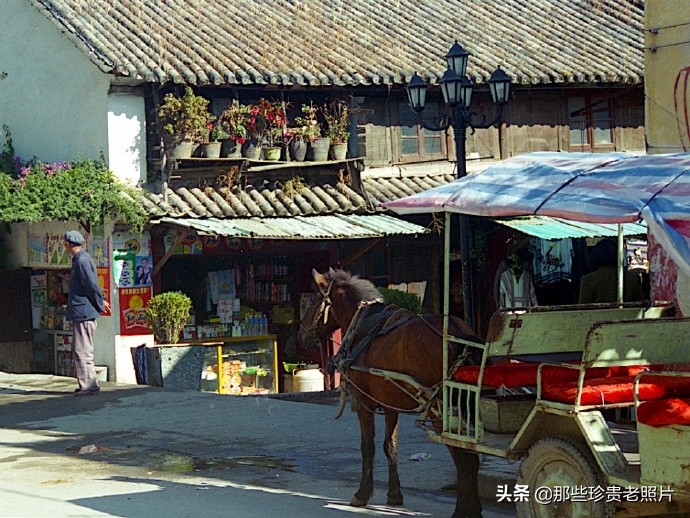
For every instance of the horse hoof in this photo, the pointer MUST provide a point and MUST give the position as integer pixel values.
(398, 501)
(356, 502)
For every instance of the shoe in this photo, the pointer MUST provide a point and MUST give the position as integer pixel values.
(90, 392)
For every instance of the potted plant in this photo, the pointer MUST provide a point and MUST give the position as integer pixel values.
(170, 364)
(305, 131)
(217, 134)
(185, 118)
(273, 120)
(337, 115)
(167, 314)
(234, 122)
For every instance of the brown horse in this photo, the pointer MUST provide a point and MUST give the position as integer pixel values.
(413, 347)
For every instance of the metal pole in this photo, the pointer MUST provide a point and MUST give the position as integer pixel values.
(460, 134)
(621, 265)
(446, 291)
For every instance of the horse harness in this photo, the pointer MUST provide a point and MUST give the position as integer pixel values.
(374, 318)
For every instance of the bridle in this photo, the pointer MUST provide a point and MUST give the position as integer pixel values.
(323, 311)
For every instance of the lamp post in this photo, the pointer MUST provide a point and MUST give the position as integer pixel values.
(457, 93)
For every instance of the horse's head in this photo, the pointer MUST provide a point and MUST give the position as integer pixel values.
(318, 322)
(335, 303)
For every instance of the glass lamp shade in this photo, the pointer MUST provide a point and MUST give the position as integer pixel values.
(466, 89)
(451, 88)
(457, 59)
(416, 93)
(499, 84)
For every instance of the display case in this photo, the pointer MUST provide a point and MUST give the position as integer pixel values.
(53, 351)
(240, 365)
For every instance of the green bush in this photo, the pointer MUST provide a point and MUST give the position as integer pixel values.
(167, 314)
(410, 301)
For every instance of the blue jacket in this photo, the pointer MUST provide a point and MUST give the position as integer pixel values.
(85, 299)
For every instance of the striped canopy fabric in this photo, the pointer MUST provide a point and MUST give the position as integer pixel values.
(592, 188)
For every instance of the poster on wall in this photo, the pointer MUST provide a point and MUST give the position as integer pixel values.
(99, 246)
(133, 302)
(38, 254)
(132, 260)
(39, 297)
(57, 253)
(104, 283)
(191, 242)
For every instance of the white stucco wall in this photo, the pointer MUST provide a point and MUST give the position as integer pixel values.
(127, 137)
(54, 99)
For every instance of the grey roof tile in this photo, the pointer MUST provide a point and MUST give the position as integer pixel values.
(271, 200)
(358, 42)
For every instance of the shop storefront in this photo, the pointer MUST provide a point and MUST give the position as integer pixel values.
(248, 294)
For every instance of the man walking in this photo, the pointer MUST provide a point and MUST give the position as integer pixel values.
(84, 303)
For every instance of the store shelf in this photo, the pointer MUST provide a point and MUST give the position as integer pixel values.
(58, 344)
(239, 365)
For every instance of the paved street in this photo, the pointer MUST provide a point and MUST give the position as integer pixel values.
(145, 451)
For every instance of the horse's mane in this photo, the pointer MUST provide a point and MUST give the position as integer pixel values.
(361, 289)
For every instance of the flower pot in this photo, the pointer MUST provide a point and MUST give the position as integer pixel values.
(251, 150)
(298, 150)
(272, 153)
(230, 149)
(211, 150)
(339, 150)
(320, 149)
(182, 149)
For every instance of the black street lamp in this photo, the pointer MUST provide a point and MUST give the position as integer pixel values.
(457, 93)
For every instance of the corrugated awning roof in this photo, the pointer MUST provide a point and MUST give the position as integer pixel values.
(337, 226)
(545, 227)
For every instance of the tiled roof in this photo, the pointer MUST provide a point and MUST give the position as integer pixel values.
(354, 42)
(266, 200)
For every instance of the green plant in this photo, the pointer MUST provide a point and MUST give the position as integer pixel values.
(167, 314)
(306, 127)
(218, 132)
(337, 115)
(9, 162)
(85, 191)
(234, 121)
(186, 117)
(410, 301)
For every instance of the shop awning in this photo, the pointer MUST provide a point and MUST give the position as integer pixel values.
(594, 188)
(337, 226)
(555, 228)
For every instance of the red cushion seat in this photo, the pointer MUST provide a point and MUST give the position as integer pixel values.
(523, 374)
(616, 389)
(664, 412)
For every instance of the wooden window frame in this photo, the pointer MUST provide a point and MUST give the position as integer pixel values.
(421, 155)
(593, 102)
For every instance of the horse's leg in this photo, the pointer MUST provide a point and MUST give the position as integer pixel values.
(366, 484)
(390, 446)
(467, 504)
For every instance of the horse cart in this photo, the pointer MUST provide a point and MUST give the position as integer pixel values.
(592, 400)
(587, 366)
(554, 384)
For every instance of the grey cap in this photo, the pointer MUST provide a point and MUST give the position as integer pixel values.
(74, 237)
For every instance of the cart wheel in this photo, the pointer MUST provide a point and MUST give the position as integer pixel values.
(558, 463)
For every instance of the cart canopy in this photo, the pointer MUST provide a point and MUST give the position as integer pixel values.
(592, 188)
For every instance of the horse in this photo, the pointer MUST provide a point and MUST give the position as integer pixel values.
(413, 347)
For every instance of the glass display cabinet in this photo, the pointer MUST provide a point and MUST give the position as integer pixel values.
(239, 365)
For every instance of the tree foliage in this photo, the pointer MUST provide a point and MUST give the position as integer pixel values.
(85, 191)
(410, 301)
